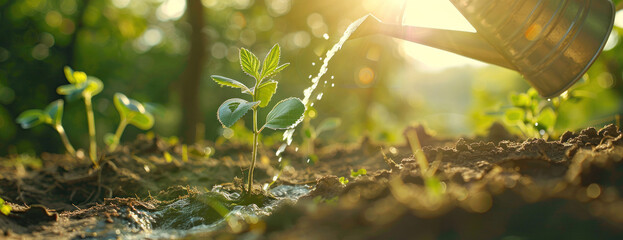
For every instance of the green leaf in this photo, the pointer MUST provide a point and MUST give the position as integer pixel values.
(74, 77)
(547, 118)
(328, 124)
(54, 112)
(265, 92)
(277, 70)
(343, 181)
(5, 209)
(249, 62)
(71, 91)
(133, 111)
(514, 116)
(93, 86)
(360, 172)
(286, 114)
(224, 81)
(30, 118)
(233, 109)
(271, 61)
(521, 100)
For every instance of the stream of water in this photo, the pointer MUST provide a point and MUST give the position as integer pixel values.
(307, 93)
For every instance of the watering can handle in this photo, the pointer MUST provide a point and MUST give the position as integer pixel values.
(467, 44)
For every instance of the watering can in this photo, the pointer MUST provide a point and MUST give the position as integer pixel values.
(552, 43)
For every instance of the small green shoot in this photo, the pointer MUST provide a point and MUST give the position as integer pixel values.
(83, 86)
(531, 114)
(285, 114)
(131, 112)
(360, 172)
(52, 115)
(4, 208)
(343, 181)
(311, 133)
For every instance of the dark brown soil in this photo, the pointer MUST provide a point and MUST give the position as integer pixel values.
(488, 187)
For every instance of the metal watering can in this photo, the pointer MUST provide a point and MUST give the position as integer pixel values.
(552, 43)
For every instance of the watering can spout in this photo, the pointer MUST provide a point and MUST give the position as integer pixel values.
(552, 43)
(467, 44)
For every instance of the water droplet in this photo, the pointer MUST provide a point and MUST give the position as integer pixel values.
(308, 160)
(312, 104)
(325, 36)
(296, 149)
(325, 82)
(549, 99)
(332, 77)
(332, 84)
(279, 159)
(320, 59)
(536, 124)
(310, 76)
(542, 132)
(313, 64)
(275, 177)
(319, 96)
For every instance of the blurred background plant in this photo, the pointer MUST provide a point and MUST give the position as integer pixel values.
(163, 51)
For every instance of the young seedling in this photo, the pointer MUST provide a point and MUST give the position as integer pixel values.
(285, 115)
(4, 208)
(52, 115)
(131, 112)
(83, 86)
(531, 114)
(311, 133)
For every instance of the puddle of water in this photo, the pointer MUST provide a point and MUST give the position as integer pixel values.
(199, 214)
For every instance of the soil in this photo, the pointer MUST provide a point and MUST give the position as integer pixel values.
(495, 186)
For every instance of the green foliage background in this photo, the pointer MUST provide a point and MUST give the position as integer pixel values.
(135, 48)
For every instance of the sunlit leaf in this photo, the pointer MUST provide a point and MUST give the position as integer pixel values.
(93, 86)
(521, 100)
(265, 92)
(547, 118)
(271, 62)
(286, 114)
(249, 62)
(514, 116)
(360, 172)
(278, 69)
(5, 209)
(328, 124)
(30, 118)
(233, 109)
(71, 91)
(224, 81)
(133, 111)
(74, 77)
(54, 112)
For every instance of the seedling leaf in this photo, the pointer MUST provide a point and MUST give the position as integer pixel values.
(547, 118)
(233, 109)
(133, 111)
(94, 86)
(249, 62)
(360, 172)
(74, 77)
(277, 70)
(5, 209)
(224, 81)
(265, 92)
(271, 62)
(286, 114)
(514, 116)
(54, 112)
(30, 118)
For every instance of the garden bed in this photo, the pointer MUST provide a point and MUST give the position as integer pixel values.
(484, 187)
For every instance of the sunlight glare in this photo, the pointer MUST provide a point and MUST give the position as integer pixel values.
(435, 14)
(171, 10)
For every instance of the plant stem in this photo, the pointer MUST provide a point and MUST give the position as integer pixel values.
(118, 134)
(61, 131)
(255, 138)
(91, 122)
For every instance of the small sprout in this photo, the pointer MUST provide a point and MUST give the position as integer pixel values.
(360, 172)
(131, 112)
(343, 180)
(52, 115)
(83, 86)
(532, 114)
(5, 208)
(168, 157)
(285, 115)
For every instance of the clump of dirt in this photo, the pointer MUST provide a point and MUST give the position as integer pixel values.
(569, 188)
